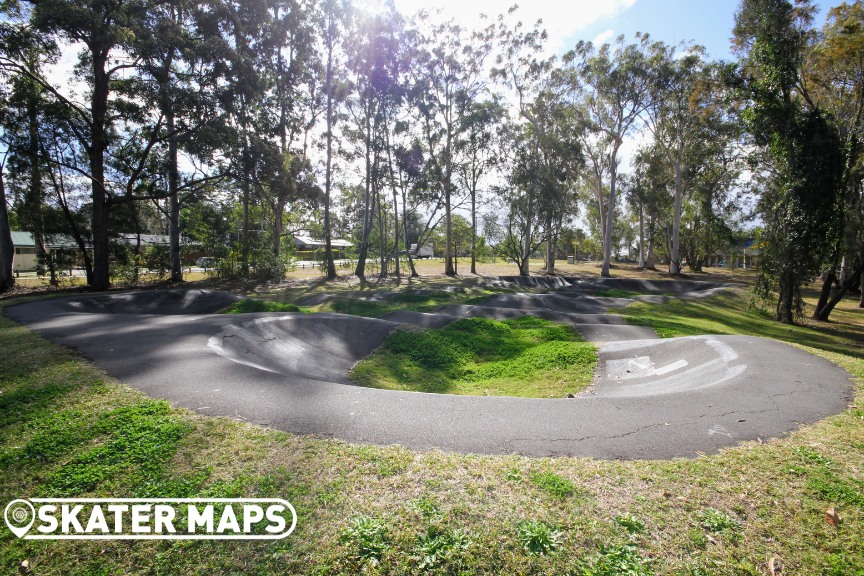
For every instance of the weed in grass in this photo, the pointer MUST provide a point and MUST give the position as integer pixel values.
(367, 538)
(428, 508)
(630, 523)
(437, 548)
(554, 484)
(538, 538)
(718, 522)
(248, 305)
(513, 475)
(697, 539)
(618, 560)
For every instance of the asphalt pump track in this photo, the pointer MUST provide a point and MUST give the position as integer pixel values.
(651, 398)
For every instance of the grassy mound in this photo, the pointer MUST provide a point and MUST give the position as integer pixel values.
(527, 356)
(249, 305)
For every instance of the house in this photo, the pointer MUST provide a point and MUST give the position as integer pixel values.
(307, 246)
(146, 239)
(24, 257)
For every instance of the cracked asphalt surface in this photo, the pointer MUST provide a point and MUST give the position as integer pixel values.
(651, 398)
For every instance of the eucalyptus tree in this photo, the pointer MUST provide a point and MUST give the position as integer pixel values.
(835, 69)
(649, 194)
(679, 99)
(449, 78)
(557, 168)
(374, 62)
(479, 151)
(609, 90)
(522, 68)
(799, 204)
(332, 19)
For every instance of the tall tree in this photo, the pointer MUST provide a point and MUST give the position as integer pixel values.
(610, 91)
(478, 147)
(835, 71)
(449, 79)
(799, 204)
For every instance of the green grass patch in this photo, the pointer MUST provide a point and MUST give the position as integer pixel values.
(731, 313)
(248, 305)
(617, 293)
(377, 303)
(526, 356)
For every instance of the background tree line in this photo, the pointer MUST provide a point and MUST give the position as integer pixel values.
(240, 123)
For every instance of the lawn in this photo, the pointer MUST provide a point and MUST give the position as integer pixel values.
(527, 357)
(68, 429)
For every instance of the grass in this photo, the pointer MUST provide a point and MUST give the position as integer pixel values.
(527, 356)
(247, 305)
(441, 513)
(731, 313)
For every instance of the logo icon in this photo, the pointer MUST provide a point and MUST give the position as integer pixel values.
(20, 515)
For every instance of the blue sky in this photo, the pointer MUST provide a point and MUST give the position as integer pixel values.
(707, 22)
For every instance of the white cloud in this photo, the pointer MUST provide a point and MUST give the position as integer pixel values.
(561, 19)
(604, 37)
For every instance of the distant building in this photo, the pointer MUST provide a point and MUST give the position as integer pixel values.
(426, 251)
(24, 257)
(746, 254)
(307, 246)
(147, 239)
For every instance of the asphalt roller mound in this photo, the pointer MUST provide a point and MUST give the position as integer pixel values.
(651, 398)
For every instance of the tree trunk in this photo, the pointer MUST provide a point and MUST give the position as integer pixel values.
(822, 313)
(448, 234)
(360, 270)
(861, 288)
(641, 234)
(675, 256)
(825, 293)
(173, 199)
(99, 144)
(7, 249)
(474, 230)
(278, 226)
(396, 232)
(550, 249)
(405, 234)
(382, 231)
(610, 220)
(328, 234)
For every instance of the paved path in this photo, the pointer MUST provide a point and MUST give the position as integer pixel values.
(652, 398)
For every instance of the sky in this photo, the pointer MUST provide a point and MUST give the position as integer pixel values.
(706, 22)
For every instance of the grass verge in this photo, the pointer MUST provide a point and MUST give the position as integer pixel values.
(388, 510)
(527, 357)
(250, 305)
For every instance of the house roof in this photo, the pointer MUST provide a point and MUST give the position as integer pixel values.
(131, 238)
(25, 239)
(309, 241)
